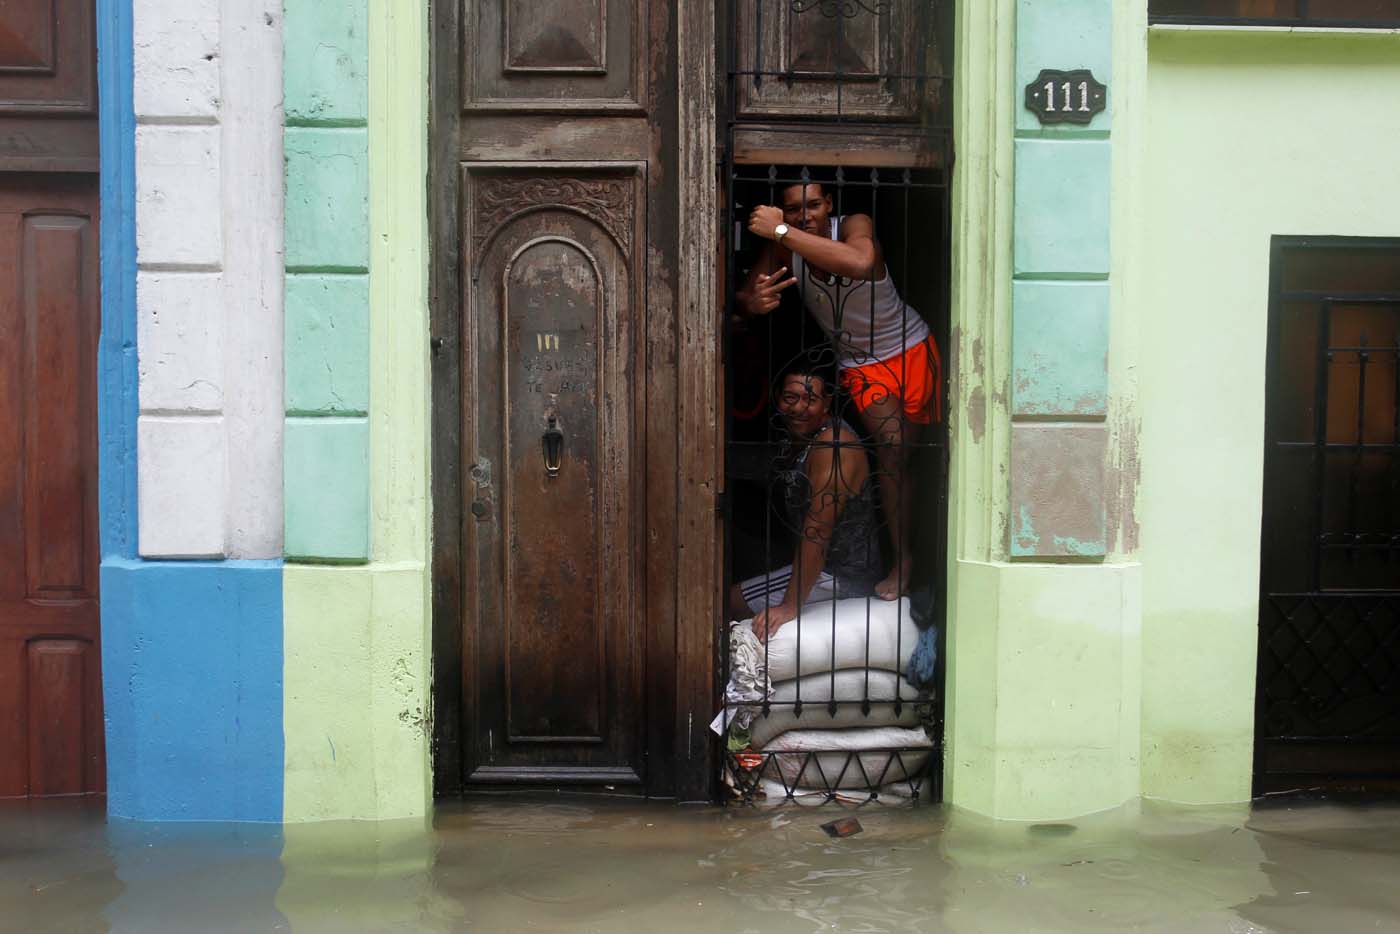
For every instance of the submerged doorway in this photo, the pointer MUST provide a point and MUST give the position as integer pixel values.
(581, 185)
(838, 113)
(1328, 691)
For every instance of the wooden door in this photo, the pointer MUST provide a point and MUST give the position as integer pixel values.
(50, 691)
(557, 174)
(50, 667)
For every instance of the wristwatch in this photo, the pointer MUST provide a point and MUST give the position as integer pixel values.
(779, 233)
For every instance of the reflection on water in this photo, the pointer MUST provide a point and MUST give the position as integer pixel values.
(576, 864)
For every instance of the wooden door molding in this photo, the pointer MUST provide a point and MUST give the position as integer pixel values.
(555, 56)
(48, 86)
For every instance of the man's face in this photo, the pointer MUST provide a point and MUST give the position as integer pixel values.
(804, 403)
(807, 207)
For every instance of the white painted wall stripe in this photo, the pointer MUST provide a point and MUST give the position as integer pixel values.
(208, 97)
(253, 264)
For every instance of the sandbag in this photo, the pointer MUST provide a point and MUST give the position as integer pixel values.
(845, 769)
(773, 794)
(815, 691)
(891, 629)
(880, 737)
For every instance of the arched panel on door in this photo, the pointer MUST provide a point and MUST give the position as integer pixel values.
(551, 682)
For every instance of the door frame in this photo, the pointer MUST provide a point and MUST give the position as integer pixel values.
(681, 523)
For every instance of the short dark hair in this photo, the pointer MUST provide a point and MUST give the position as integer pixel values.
(817, 361)
(819, 175)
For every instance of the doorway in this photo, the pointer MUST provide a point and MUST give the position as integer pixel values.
(575, 451)
(51, 725)
(1327, 709)
(843, 109)
(581, 178)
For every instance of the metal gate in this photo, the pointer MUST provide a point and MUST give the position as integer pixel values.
(1328, 692)
(835, 123)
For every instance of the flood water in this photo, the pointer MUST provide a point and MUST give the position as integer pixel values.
(578, 864)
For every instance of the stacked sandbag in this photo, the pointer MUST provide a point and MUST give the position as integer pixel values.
(849, 650)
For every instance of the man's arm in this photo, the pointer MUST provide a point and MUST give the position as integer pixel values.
(762, 288)
(834, 474)
(855, 255)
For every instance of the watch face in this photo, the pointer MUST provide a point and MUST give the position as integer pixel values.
(781, 230)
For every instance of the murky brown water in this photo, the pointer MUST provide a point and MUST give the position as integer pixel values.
(571, 864)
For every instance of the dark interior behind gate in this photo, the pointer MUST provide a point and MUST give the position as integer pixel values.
(853, 96)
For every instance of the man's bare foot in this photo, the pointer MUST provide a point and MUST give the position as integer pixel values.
(893, 586)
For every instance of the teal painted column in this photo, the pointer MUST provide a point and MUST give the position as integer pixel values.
(1060, 294)
(326, 473)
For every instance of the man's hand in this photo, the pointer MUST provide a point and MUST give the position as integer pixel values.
(767, 622)
(764, 221)
(765, 294)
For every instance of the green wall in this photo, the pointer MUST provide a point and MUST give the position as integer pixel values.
(1252, 133)
(357, 703)
(326, 460)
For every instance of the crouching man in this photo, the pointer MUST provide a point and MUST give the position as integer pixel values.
(824, 488)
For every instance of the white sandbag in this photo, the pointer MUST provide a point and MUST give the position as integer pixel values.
(773, 793)
(829, 758)
(851, 685)
(879, 737)
(888, 623)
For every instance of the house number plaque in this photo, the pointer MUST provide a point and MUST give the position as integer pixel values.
(1066, 96)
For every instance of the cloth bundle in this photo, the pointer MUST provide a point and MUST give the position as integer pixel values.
(856, 651)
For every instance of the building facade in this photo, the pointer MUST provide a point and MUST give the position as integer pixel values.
(287, 201)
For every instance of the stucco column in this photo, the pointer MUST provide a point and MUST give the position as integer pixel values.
(1044, 665)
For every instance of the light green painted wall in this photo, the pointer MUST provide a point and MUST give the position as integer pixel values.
(1044, 659)
(325, 478)
(327, 199)
(357, 639)
(1252, 134)
(1060, 354)
(326, 470)
(1062, 34)
(326, 68)
(327, 345)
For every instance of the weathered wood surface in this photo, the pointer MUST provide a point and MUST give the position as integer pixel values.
(50, 666)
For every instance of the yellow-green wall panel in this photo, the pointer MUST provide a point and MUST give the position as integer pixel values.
(1252, 134)
(358, 639)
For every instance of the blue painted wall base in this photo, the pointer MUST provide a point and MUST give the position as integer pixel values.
(192, 682)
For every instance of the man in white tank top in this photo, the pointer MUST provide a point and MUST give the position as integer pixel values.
(889, 362)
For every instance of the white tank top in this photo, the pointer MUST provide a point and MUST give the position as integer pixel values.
(866, 321)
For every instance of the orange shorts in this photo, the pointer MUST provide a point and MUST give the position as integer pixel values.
(915, 376)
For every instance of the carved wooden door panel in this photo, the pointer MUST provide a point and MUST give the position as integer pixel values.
(550, 413)
(556, 193)
(50, 692)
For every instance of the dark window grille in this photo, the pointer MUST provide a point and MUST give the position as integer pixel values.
(1340, 14)
(851, 95)
(1328, 690)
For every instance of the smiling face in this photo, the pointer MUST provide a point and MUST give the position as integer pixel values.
(807, 207)
(804, 402)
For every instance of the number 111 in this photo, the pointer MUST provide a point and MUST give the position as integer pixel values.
(1069, 97)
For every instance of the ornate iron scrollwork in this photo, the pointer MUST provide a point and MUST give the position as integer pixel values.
(847, 9)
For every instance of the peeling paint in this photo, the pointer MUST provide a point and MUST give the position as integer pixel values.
(1124, 475)
(977, 413)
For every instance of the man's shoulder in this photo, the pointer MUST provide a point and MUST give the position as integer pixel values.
(838, 432)
(855, 222)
